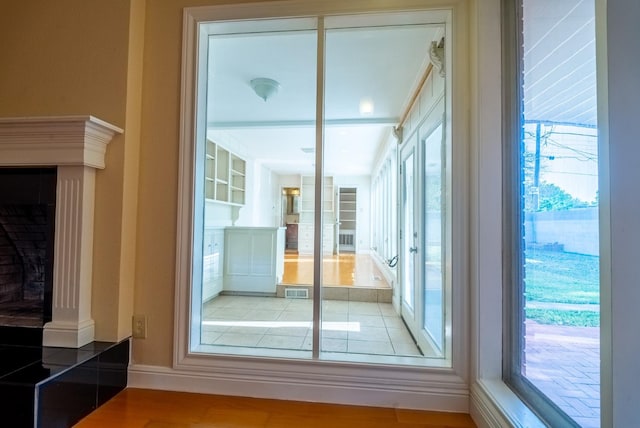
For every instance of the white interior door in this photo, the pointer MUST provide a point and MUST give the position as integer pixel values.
(423, 232)
(409, 237)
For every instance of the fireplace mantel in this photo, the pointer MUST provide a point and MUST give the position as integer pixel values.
(56, 140)
(76, 145)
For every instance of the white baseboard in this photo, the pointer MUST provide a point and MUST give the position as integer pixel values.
(437, 397)
(386, 271)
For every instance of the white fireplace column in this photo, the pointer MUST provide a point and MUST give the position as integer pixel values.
(76, 145)
(71, 323)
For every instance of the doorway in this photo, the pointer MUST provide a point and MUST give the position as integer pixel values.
(347, 221)
(290, 217)
(424, 231)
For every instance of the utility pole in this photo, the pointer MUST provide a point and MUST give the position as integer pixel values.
(536, 165)
(536, 186)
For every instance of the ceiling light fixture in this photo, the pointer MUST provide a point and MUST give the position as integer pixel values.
(366, 106)
(264, 88)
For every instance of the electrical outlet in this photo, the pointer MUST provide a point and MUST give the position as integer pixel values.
(139, 327)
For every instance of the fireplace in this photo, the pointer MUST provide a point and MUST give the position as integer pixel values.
(27, 215)
(67, 151)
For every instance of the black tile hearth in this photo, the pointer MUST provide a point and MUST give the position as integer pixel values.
(14, 358)
(21, 336)
(47, 387)
(66, 398)
(112, 376)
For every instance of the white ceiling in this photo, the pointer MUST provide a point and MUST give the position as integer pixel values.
(559, 61)
(382, 63)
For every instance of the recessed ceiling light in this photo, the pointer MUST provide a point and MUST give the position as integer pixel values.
(366, 106)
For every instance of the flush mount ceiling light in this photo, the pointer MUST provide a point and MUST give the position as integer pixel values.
(366, 106)
(264, 88)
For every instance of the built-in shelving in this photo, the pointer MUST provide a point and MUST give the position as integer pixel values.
(224, 175)
(238, 182)
(347, 219)
(307, 209)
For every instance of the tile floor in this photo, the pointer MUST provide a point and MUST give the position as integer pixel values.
(351, 327)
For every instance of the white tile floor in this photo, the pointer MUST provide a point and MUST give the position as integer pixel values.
(367, 328)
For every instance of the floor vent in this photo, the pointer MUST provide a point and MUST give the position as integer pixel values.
(296, 293)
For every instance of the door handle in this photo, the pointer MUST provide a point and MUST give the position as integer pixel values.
(413, 249)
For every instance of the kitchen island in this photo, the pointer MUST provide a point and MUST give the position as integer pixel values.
(253, 259)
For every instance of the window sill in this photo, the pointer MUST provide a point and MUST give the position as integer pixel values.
(493, 404)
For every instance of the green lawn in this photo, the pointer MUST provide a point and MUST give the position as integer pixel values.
(559, 277)
(564, 317)
(554, 276)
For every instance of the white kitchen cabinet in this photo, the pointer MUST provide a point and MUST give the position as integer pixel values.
(224, 175)
(212, 259)
(305, 238)
(254, 259)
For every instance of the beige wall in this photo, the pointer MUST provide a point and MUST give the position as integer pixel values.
(118, 60)
(64, 57)
(155, 274)
(78, 57)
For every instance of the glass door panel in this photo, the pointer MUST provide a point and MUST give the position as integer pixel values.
(259, 208)
(434, 236)
(408, 234)
(412, 247)
(364, 97)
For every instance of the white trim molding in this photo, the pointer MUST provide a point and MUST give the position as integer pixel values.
(350, 385)
(77, 146)
(429, 386)
(55, 140)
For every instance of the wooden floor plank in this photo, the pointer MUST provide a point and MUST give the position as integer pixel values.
(143, 408)
(344, 270)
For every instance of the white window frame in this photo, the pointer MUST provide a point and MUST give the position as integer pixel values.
(436, 388)
(513, 245)
(492, 403)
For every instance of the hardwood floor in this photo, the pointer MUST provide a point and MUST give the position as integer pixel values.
(138, 408)
(347, 270)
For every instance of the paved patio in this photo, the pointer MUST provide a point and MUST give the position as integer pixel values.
(564, 363)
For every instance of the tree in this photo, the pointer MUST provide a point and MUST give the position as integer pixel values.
(553, 198)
